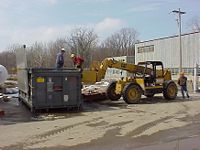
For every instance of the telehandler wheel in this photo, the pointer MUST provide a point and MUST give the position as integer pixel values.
(170, 90)
(110, 92)
(132, 93)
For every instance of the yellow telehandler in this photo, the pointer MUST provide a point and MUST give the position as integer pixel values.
(148, 78)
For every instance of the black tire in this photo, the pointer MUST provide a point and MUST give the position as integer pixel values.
(149, 95)
(132, 93)
(20, 100)
(110, 92)
(170, 90)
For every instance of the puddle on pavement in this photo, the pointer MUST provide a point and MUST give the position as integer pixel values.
(184, 138)
(54, 116)
(16, 112)
(101, 123)
(184, 144)
(109, 141)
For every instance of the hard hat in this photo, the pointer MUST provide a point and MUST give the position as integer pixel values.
(72, 55)
(62, 49)
(182, 73)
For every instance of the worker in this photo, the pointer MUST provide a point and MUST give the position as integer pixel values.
(182, 81)
(60, 58)
(78, 61)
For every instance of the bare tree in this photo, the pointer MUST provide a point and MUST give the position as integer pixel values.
(36, 55)
(8, 58)
(121, 42)
(44, 54)
(81, 42)
(54, 48)
(194, 24)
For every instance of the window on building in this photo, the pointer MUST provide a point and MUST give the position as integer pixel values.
(174, 71)
(146, 49)
(188, 71)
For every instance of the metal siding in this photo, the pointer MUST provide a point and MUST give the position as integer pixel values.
(167, 50)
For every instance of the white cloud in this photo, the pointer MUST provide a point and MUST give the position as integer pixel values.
(51, 2)
(95, 1)
(30, 35)
(22, 4)
(108, 24)
(48, 33)
(145, 7)
(5, 3)
(41, 34)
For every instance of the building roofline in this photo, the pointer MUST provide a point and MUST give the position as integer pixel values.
(168, 37)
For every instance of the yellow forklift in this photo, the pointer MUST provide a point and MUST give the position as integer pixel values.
(148, 78)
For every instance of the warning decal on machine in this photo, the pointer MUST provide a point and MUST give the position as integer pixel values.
(40, 80)
(66, 98)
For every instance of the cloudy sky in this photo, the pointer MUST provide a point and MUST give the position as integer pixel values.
(27, 21)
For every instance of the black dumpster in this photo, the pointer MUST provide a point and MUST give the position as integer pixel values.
(44, 88)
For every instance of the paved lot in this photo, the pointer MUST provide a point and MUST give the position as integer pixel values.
(151, 124)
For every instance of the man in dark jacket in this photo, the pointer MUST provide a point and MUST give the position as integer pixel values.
(182, 81)
(60, 59)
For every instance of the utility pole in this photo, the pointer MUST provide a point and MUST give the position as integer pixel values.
(25, 57)
(179, 13)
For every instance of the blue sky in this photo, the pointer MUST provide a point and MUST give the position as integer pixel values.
(27, 21)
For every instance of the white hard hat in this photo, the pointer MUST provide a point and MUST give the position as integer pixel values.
(72, 55)
(62, 49)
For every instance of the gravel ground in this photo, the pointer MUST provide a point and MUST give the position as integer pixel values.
(151, 124)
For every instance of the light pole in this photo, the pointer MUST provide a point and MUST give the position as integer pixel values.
(179, 12)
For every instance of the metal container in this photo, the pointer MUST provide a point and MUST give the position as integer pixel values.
(51, 88)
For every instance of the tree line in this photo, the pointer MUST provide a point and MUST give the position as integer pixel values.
(81, 41)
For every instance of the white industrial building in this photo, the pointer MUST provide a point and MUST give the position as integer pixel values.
(167, 50)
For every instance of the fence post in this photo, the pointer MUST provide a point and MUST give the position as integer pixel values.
(195, 79)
